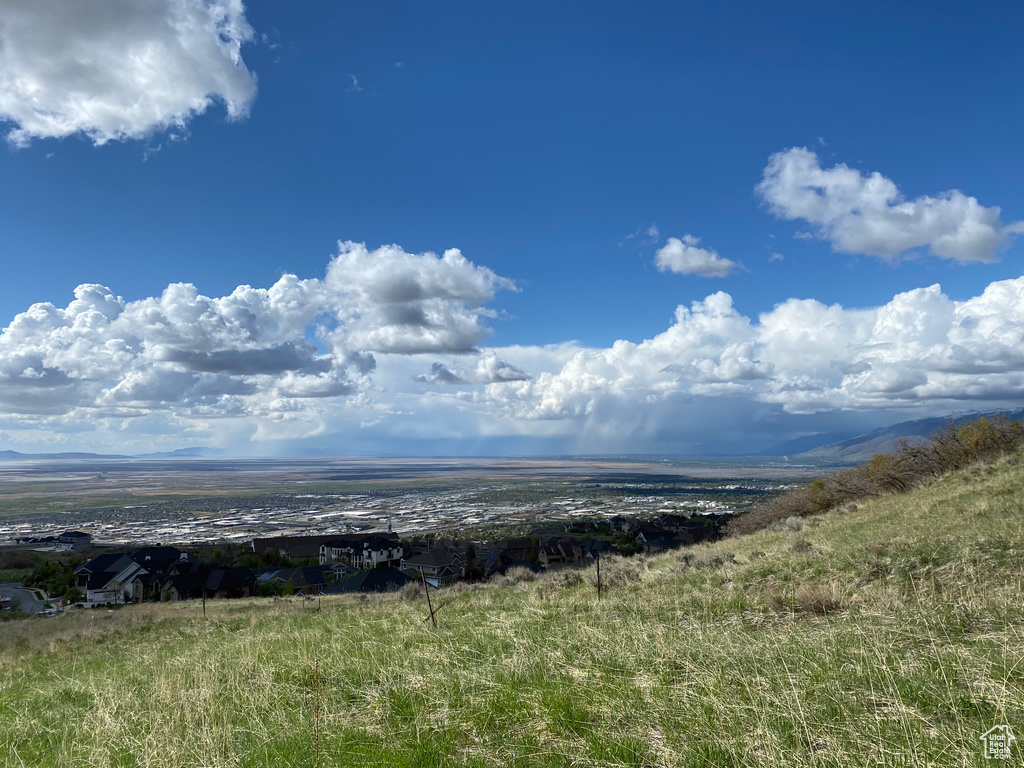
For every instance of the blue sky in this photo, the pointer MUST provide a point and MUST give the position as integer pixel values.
(813, 170)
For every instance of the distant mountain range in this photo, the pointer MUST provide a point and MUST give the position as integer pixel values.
(181, 453)
(833, 447)
(822, 448)
(17, 456)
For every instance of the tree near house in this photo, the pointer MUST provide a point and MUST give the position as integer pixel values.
(54, 578)
(627, 546)
(269, 589)
(473, 570)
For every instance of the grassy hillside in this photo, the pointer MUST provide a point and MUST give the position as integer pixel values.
(887, 634)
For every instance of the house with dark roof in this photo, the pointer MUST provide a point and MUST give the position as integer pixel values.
(159, 559)
(154, 573)
(304, 580)
(591, 549)
(298, 548)
(558, 549)
(230, 582)
(653, 538)
(515, 548)
(184, 581)
(314, 578)
(438, 566)
(162, 555)
(494, 562)
(194, 580)
(376, 580)
(295, 548)
(78, 540)
(699, 530)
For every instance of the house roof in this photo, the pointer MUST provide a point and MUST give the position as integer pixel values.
(511, 543)
(595, 546)
(106, 562)
(378, 543)
(375, 580)
(269, 574)
(192, 577)
(160, 557)
(310, 545)
(186, 583)
(302, 576)
(313, 575)
(653, 533)
(229, 578)
(100, 579)
(436, 558)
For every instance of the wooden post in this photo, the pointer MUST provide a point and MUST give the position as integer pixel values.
(204, 601)
(316, 711)
(426, 590)
(598, 558)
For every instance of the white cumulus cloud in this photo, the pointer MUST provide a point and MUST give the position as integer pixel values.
(392, 301)
(685, 256)
(119, 69)
(283, 354)
(868, 214)
(919, 350)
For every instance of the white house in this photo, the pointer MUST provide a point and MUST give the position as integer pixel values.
(362, 554)
(110, 579)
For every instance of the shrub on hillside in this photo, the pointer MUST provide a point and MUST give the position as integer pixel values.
(951, 448)
(819, 599)
(713, 561)
(411, 590)
(517, 575)
(458, 587)
(553, 582)
(618, 571)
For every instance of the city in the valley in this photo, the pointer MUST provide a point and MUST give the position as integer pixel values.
(110, 531)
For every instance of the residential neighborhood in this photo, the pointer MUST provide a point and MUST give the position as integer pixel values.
(372, 561)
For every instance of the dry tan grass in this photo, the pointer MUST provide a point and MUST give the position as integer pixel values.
(819, 599)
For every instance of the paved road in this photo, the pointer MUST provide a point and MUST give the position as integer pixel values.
(29, 604)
